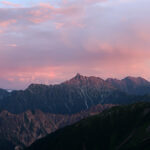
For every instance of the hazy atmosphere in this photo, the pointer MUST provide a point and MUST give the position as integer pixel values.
(45, 41)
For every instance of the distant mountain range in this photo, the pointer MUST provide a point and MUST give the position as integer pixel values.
(119, 128)
(75, 95)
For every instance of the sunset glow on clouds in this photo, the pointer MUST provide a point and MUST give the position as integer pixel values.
(45, 41)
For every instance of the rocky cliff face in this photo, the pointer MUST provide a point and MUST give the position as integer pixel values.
(23, 129)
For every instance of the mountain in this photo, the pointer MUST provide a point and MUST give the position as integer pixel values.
(20, 130)
(131, 85)
(29, 114)
(83, 81)
(119, 128)
(75, 95)
(3, 94)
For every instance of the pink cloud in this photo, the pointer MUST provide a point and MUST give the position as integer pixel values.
(45, 12)
(95, 1)
(59, 25)
(12, 45)
(46, 5)
(7, 3)
(7, 22)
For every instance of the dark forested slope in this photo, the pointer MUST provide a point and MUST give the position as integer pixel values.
(119, 128)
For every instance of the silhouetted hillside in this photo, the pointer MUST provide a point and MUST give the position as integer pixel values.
(119, 128)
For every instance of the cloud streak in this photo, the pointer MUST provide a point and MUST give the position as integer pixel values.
(8, 3)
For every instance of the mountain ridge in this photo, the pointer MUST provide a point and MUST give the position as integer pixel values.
(41, 109)
(20, 130)
(75, 95)
(119, 128)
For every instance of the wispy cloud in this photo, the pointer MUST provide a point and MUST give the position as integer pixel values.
(8, 3)
(7, 22)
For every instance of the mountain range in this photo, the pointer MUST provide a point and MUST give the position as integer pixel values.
(30, 114)
(75, 95)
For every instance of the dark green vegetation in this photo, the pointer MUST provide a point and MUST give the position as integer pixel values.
(119, 128)
(75, 95)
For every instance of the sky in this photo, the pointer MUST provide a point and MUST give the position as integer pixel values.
(49, 41)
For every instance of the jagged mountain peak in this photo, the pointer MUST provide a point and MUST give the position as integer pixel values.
(81, 77)
(136, 80)
(131, 85)
(32, 86)
(81, 80)
(133, 78)
(36, 87)
(78, 75)
(112, 80)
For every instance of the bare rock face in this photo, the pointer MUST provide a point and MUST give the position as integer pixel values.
(23, 129)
